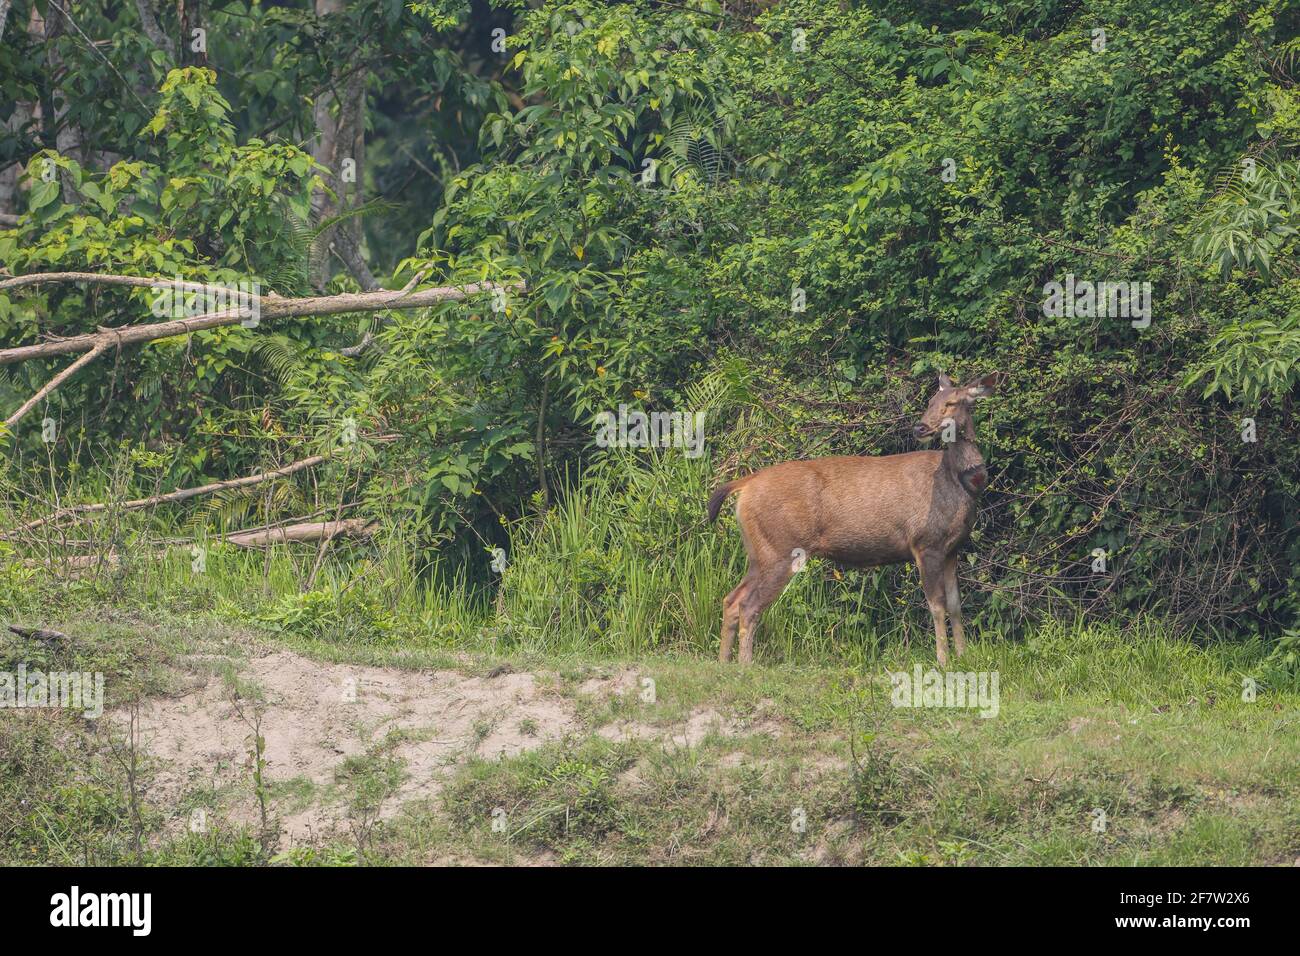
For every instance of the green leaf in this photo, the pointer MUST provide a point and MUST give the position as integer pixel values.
(42, 194)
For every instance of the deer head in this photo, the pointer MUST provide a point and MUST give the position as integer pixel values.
(953, 403)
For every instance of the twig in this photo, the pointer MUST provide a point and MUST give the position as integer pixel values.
(55, 382)
(95, 49)
(180, 495)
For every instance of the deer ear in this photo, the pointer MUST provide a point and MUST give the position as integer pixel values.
(944, 381)
(986, 386)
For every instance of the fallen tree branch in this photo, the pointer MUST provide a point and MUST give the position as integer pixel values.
(54, 383)
(40, 634)
(180, 495)
(269, 526)
(98, 278)
(76, 562)
(306, 531)
(270, 306)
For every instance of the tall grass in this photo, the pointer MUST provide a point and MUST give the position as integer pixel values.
(624, 564)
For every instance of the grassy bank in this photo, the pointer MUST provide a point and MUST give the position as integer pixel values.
(1108, 747)
(568, 709)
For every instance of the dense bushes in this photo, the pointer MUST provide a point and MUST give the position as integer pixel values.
(915, 173)
(1109, 160)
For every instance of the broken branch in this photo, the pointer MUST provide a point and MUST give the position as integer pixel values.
(54, 383)
(303, 532)
(269, 306)
(185, 493)
(180, 495)
(306, 531)
(272, 306)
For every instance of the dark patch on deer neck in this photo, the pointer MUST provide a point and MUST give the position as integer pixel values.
(963, 464)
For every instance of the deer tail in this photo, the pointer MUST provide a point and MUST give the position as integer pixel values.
(720, 495)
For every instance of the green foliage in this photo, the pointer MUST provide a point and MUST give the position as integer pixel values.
(1252, 217)
(1256, 357)
(664, 179)
(554, 797)
(346, 616)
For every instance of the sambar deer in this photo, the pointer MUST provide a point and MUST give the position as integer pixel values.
(864, 512)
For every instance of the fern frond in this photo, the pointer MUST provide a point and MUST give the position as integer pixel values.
(694, 149)
(365, 209)
(281, 357)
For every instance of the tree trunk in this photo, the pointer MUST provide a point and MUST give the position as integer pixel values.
(149, 24)
(68, 138)
(191, 17)
(340, 116)
(9, 192)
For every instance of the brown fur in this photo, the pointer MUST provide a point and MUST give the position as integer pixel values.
(863, 512)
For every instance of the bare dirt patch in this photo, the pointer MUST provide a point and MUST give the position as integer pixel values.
(316, 715)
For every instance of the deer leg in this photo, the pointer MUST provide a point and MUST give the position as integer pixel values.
(931, 567)
(731, 618)
(756, 600)
(954, 605)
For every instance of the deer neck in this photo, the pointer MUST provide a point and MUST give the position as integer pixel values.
(962, 462)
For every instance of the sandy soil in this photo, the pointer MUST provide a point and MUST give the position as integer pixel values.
(315, 715)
